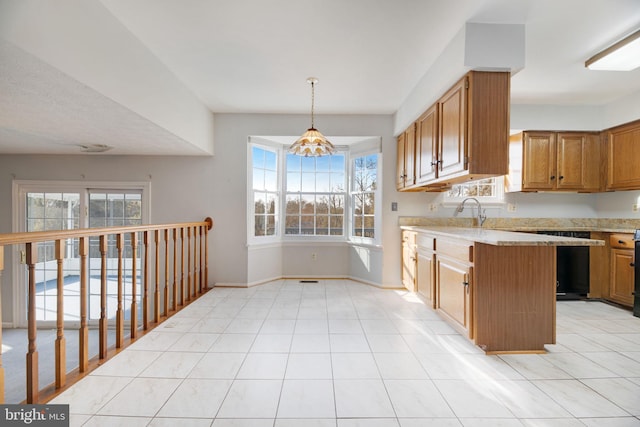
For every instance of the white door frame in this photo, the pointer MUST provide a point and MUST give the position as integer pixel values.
(20, 188)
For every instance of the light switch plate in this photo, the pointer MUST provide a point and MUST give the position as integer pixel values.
(394, 206)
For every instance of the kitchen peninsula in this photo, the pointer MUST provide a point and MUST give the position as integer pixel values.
(496, 287)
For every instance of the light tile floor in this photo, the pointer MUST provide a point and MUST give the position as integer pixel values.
(344, 354)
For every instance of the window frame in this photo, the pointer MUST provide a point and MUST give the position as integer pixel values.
(252, 239)
(364, 146)
(346, 208)
(496, 200)
(377, 194)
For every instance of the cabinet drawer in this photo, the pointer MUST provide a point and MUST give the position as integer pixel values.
(621, 241)
(426, 242)
(460, 251)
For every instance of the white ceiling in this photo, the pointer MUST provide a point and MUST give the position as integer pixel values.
(253, 56)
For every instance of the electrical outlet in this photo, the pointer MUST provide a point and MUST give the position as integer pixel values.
(314, 256)
(634, 208)
(433, 207)
(511, 207)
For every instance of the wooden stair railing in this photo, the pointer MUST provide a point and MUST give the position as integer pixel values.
(176, 284)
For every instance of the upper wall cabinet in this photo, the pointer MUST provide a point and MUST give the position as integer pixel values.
(406, 177)
(558, 161)
(465, 135)
(623, 152)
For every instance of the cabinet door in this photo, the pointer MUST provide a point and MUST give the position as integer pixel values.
(454, 287)
(409, 261)
(539, 161)
(409, 155)
(622, 276)
(426, 146)
(400, 170)
(623, 154)
(426, 276)
(578, 164)
(453, 128)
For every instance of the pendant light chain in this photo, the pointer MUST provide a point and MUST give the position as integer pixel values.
(313, 95)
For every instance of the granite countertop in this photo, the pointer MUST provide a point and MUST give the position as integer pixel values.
(501, 237)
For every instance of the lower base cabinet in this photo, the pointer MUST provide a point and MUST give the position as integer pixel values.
(454, 292)
(426, 277)
(500, 297)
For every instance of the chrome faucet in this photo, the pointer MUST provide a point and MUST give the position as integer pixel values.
(482, 216)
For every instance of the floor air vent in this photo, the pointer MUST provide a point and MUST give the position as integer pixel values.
(308, 281)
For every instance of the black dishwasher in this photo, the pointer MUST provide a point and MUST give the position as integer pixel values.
(572, 273)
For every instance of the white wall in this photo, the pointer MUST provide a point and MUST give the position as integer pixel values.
(192, 188)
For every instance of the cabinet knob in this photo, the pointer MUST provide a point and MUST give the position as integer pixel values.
(632, 264)
(561, 177)
(553, 177)
(621, 242)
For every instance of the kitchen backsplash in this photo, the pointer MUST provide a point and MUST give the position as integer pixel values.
(529, 224)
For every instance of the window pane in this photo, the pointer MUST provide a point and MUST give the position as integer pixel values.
(322, 205)
(257, 157)
(308, 182)
(259, 225)
(293, 205)
(292, 224)
(293, 182)
(323, 164)
(259, 202)
(270, 160)
(307, 224)
(272, 201)
(336, 204)
(270, 181)
(323, 184)
(271, 225)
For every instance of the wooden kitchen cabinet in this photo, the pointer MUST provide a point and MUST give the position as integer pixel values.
(463, 136)
(560, 161)
(405, 166)
(623, 152)
(426, 274)
(501, 297)
(621, 285)
(455, 283)
(409, 260)
(427, 146)
(452, 129)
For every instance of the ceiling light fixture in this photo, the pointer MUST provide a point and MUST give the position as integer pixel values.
(312, 142)
(621, 56)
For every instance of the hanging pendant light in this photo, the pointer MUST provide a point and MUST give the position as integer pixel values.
(312, 142)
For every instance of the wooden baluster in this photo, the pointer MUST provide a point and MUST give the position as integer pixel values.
(60, 345)
(145, 284)
(134, 285)
(193, 267)
(1, 367)
(175, 268)
(182, 290)
(83, 332)
(120, 307)
(189, 263)
(32, 352)
(200, 265)
(156, 292)
(102, 326)
(166, 272)
(206, 257)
